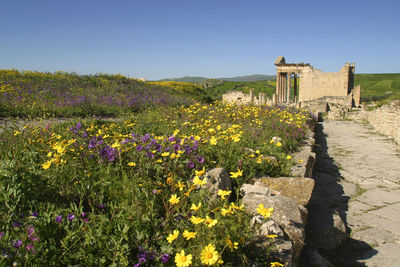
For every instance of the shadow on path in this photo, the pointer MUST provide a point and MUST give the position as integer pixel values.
(325, 231)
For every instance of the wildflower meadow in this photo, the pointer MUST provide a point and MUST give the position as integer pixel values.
(135, 192)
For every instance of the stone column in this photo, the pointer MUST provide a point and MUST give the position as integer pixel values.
(288, 88)
(274, 102)
(278, 82)
(251, 97)
(295, 87)
(284, 85)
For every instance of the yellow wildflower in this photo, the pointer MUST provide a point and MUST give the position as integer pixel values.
(196, 220)
(180, 185)
(200, 173)
(46, 165)
(209, 255)
(198, 181)
(226, 211)
(278, 144)
(210, 222)
(131, 164)
(213, 141)
(288, 157)
(231, 245)
(223, 193)
(264, 211)
(236, 174)
(189, 235)
(173, 236)
(276, 264)
(194, 207)
(165, 154)
(174, 199)
(183, 260)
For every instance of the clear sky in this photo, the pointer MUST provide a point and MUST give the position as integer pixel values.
(211, 38)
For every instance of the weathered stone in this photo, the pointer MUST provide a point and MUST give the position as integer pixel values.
(269, 227)
(218, 178)
(286, 214)
(304, 213)
(326, 231)
(304, 160)
(297, 188)
(249, 189)
(285, 252)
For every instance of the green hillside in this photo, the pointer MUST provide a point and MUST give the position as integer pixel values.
(378, 86)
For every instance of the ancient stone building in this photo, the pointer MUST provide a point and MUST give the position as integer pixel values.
(241, 98)
(311, 85)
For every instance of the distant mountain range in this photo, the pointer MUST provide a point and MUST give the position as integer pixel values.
(246, 78)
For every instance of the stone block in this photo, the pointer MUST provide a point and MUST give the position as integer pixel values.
(297, 188)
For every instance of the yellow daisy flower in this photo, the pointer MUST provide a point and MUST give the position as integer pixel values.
(173, 236)
(189, 235)
(264, 211)
(183, 260)
(209, 255)
(174, 199)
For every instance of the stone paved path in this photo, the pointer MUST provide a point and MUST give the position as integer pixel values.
(357, 174)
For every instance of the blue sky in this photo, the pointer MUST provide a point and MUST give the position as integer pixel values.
(211, 38)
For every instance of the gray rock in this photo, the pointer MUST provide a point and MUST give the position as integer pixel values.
(286, 214)
(304, 160)
(269, 227)
(326, 231)
(249, 189)
(297, 188)
(218, 178)
(285, 252)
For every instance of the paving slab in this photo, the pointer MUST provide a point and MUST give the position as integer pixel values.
(358, 174)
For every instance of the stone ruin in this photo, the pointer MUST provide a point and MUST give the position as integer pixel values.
(310, 87)
(240, 98)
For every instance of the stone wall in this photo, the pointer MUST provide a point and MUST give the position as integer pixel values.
(317, 84)
(385, 119)
(240, 98)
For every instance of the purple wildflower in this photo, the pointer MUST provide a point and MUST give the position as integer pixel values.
(59, 218)
(190, 164)
(71, 217)
(200, 159)
(17, 224)
(78, 126)
(30, 246)
(35, 214)
(1, 235)
(139, 148)
(17, 244)
(165, 257)
(102, 206)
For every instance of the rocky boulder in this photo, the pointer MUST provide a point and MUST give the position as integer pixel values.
(286, 214)
(297, 188)
(218, 178)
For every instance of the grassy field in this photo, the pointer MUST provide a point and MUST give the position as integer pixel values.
(378, 86)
